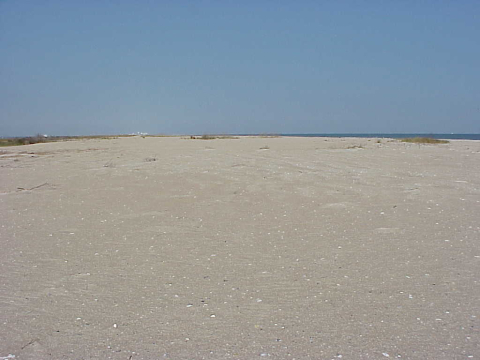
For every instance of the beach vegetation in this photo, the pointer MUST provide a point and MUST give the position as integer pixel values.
(269, 136)
(23, 140)
(424, 140)
(29, 140)
(213, 137)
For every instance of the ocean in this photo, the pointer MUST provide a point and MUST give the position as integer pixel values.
(395, 136)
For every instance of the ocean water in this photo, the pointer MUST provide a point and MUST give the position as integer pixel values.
(395, 136)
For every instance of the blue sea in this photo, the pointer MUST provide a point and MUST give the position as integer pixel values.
(395, 136)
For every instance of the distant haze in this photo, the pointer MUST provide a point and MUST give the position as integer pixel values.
(187, 67)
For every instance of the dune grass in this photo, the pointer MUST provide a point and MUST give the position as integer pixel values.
(424, 140)
(23, 140)
(213, 137)
(37, 139)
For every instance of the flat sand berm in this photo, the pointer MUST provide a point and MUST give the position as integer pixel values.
(282, 248)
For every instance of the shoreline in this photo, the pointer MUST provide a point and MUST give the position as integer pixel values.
(253, 247)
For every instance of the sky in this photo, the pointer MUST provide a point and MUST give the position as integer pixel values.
(243, 67)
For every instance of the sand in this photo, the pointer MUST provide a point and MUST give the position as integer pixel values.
(281, 248)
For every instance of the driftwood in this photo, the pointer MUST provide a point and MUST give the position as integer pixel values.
(33, 188)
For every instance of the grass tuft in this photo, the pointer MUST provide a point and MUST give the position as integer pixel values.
(23, 140)
(424, 140)
(15, 141)
(213, 137)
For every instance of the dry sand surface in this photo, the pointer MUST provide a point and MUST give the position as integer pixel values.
(312, 248)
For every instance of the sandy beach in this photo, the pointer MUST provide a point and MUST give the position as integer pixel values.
(257, 247)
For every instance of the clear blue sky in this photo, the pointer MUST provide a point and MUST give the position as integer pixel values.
(183, 67)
